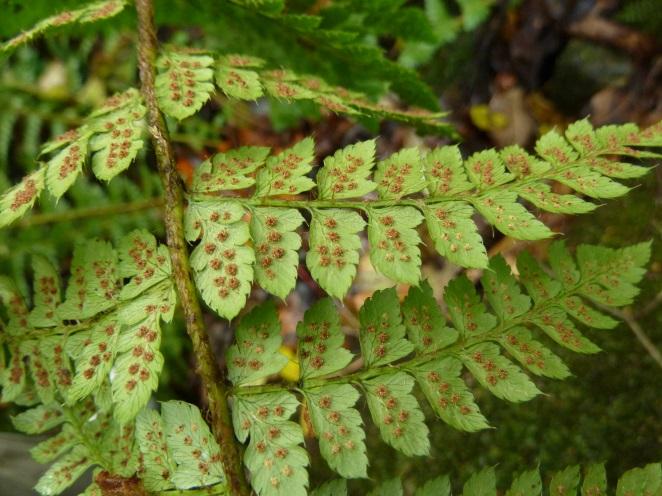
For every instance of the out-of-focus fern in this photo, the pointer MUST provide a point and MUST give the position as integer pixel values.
(592, 481)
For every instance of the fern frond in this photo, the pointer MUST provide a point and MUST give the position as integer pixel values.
(186, 79)
(69, 347)
(112, 134)
(92, 12)
(439, 188)
(398, 348)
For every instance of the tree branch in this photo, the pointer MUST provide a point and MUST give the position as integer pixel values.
(212, 377)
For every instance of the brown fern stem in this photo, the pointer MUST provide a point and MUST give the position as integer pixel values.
(212, 377)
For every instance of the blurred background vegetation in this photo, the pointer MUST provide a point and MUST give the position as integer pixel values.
(505, 70)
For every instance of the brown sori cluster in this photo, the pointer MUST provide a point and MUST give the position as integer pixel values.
(420, 317)
(396, 418)
(392, 242)
(343, 174)
(104, 354)
(312, 346)
(452, 233)
(380, 331)
(395, 176)
(228, 171)
(63, 18)
(446, 397)
(338, 436)
(270, 251)
(182, 81)
(235, 79)
(104, 272)
(557, 153)
(484, 170)
(106, 10)
(48, 415)
(71, 161)
(122, 135)
(25, 195)
(560, 326)
(144, 259)
(517, 162)
(61, 363)
(39, 370)
(144, 353)
(534, 357)
(333, 105)
(47, 287)
(16, 372)
(285, 90)
(252, 348)
(444, 176)
(544, 197)
(156, 446)
(283, 171)
(494, 372)
(18, 310)
(223, 258)
(332, 254)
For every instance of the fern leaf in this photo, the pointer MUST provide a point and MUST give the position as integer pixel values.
(63, 169)
(143, 261)
(528, 482)
(231, 170)
(445, 173)
(19, 199)
(158, 465)
(274, 456)
(191, 445)
(255, 355)
(498, 374)
(139, 361)
(94, 352)
(595, 480)
(50, 449)
(222, 263)
(336, 487)
(64, 472)
(320, 339)
(285, 174)
(455, 235)
(397, 414)
(338, 425)
(394, 241)
(117, 140)
(273, 231)
(400, 175)
(481, 483)
(448, 395)
(565, 481)
(426, 325)
(345, 174)
(439, 486)
(92, 12)
(645, 480)
(382, 334)
(538, 359)
(46, 293)
(334, 249)
(467, 311)
(503, 292)
(184, 83)
(38, 419)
